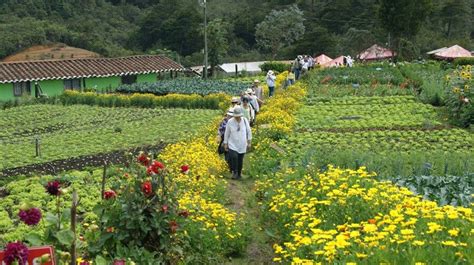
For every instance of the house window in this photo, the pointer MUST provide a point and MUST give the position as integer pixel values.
(129, 79)
(21, 89)
(72, 84)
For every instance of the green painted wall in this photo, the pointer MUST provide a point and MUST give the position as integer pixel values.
(6, 92)
(100, 83)
(50, 87)
(149, 78)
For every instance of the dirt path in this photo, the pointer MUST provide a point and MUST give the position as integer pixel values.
(242, 200)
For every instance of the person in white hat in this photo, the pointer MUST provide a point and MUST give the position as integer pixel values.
(253, 100)
(237, 140)
(221, 132)
(271, 79)
(258, 91)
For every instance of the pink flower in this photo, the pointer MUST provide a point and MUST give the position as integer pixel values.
(30, 216)
(173, 226)
(164, 209)
(184, 169)
(16, 252)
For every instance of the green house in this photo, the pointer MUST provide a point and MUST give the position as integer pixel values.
(53, 77)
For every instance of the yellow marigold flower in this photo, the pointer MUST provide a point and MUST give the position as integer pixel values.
(370, 228)
(420, 263)
(406, 232)
(277, 259)
(319, 252)
(361, 255)
(453, 232)
(418, 243)
(434, 227)
(351, 263)
(449, 243)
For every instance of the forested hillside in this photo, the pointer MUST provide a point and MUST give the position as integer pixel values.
(121, 27)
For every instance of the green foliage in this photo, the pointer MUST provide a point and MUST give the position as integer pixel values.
(280, 29)
(463, 61)
(187, 86)
(277, 67)
(373, 74)
(459, 95)
(191, 101)
(218, 45)
(452, 190)
(72, 131)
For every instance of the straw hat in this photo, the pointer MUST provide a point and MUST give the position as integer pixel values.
(249, 91)
(270, 72)
(256, 81)
(235, 99)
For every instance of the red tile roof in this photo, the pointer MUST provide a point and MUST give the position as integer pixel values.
(91, 67)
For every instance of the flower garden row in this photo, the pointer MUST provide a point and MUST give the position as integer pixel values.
(323, 214)
(149, 212)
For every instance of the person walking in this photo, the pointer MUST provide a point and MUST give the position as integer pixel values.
(237, 140)
(220, 135)
(271, 79)
(297, 66)
(248, 110)
(258, 90)
(290, 78)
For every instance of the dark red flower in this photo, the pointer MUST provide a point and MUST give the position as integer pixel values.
(16, 252)
(155, 168)
(110, 194)
(164, 209)
(143, 159)
(53, 188)
(184, 169)
(184, 213)
(147, 188)
(110, 229)
(173, 226)
(119, 262)
(85, 262)
(30, 216)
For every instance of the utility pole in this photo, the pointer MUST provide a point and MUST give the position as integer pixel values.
(203, 4)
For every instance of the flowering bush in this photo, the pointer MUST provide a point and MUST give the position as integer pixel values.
(144, 213)
(347, 216)
(16, 253)
(459, 96)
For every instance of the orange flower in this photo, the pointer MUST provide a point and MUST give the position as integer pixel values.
(372, 221)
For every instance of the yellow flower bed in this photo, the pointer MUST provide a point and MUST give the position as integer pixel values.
(277, 115)
(202, 186)
(346, 215)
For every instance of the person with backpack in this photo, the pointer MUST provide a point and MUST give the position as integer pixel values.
(297, 66)
(237, 140)
(220, 135)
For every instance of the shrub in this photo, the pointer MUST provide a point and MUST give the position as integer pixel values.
(278, 67)
(463, 61)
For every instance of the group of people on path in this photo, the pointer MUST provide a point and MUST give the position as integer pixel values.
(234, 133)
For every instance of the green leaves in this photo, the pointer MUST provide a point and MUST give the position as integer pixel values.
(65, 237)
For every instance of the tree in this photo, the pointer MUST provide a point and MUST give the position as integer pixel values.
(457, 16)
(403, 18)
(218, 43)
(280, 29)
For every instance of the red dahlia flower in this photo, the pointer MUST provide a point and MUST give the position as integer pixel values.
(155, 168)
(147, 188)
(110, 194)
(173, 226)
(30, 216)
(184, 169)
(53, 188)
(143, 159)
(16, 253)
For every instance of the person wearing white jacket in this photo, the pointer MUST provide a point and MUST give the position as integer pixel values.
(271, 79)
(237, 140)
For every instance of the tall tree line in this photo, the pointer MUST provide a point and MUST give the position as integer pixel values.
(334, 27)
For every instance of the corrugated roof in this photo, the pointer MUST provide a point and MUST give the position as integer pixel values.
(91, 67)
(375, 52)
(452, 52)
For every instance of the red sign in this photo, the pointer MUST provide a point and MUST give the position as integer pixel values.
(34, 256)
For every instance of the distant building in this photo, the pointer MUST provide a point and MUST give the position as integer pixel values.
(375, 53)
(55, 76)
